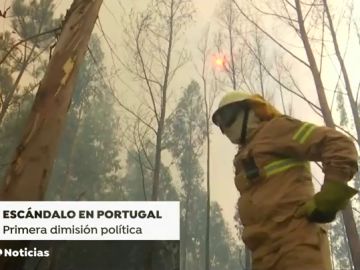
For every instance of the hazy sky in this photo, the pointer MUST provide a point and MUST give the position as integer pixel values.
(222, 185)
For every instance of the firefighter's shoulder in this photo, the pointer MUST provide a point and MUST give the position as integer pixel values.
(288, 129)
(285, 124)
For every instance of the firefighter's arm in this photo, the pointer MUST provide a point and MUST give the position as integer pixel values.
(338, 155)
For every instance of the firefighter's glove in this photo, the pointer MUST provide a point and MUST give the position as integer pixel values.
(322, 208)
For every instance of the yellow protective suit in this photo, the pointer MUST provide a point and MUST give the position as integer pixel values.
(274, 179)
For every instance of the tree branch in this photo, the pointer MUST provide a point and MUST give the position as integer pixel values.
(25, 40)
(270, 36)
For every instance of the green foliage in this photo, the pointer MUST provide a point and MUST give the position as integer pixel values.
(137, 182)
(184, 138)
(185, 134)
(223, 247)
(32, 18)
(8, 67)
(344, 121)
(188, 120)
(9, 70)
(26, 19)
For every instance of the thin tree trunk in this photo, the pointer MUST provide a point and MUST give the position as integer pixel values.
(331, 251)
(28, 175)
(314, 69)
(247, 259)
(232, 68)
(157, 166)
(349, 221)
(231, 41)
(160, 129)
(70, 159)
(261, 76)
(56, 246)
(207, 241)
(349, 92)
(352, 236)
(184, 242)
(207, 115)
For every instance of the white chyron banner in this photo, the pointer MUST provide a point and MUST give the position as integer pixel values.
(95, 220)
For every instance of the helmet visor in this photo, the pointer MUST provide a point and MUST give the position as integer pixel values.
(226, 116)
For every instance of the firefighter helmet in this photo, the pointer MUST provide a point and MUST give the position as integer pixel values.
(236, 100)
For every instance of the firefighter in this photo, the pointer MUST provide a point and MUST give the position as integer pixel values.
(283, 218)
